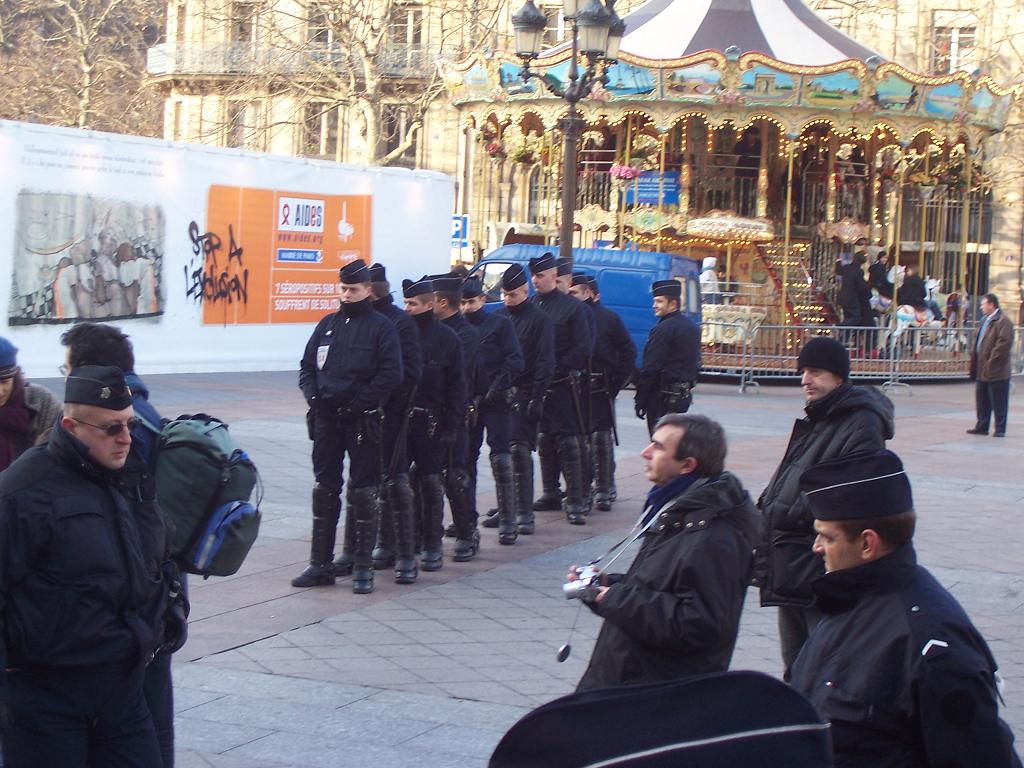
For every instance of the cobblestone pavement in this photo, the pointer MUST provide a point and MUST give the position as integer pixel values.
(436, 672)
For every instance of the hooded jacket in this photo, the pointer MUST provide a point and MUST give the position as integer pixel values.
(845, 421)
(676, 611)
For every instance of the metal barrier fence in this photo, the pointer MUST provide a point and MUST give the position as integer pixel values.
(893, 355)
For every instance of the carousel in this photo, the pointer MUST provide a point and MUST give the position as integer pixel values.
(754, 134)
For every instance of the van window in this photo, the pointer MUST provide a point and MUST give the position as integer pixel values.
(693, 296)
(490, 274)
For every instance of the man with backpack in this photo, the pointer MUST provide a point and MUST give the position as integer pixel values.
(351, 365)
(106, 345)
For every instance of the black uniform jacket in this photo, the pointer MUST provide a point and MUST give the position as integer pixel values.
(500, 352)
(573, 338)
(855, 295)
(352, 360)
(469, 337)
(671, 356)
(901, 672)
(442, 387)
(676, 612)
(614, 350)
(536, 335)
(408, 341)
(81, 554)
(845, 421)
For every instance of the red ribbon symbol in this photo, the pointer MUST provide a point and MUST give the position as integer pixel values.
(285, 213)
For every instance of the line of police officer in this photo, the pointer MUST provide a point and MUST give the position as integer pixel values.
(409, 398)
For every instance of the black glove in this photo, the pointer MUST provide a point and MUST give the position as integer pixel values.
(639, 410)
(345, 413)
(495, 394)
(535, 410)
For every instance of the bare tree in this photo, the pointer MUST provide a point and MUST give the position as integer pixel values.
(79, 63)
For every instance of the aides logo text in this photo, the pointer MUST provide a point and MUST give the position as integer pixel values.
(296, 214)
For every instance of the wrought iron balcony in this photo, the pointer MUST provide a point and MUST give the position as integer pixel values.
(265, 59)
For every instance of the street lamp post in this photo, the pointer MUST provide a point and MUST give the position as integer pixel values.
(596, 32)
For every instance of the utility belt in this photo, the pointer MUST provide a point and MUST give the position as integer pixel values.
(599, 384)
(430, 416)
(569, 379)
(676, 397)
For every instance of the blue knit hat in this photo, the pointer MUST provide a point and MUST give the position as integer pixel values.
(8, 359)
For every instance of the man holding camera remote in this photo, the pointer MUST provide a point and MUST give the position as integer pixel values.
(676, 612)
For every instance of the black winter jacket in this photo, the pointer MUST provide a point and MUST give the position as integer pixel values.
(352, 360)
(676, 612)
(443, 384)
(536, 336)
(574, 337)
(845, 421)
(81, 557)
(408, 341)
(901, 672)
(499, 348)
(671, 356)
(614, 350)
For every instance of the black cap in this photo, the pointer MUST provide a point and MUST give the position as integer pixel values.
(447, 284)
(378, 274)
(825, 353)
(581, 278)
(354, 272)
(673, 289)
(514, 277)
(411, 288)
(593, 283)
(472, 287)
(100, 385)
(543, 263)
(564, 267)
(859, 485)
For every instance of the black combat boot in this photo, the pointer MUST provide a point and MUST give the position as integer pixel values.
(467, 537)
(367, 514)
(571, 456)
(326, 510)
(343, 563)
(384, 552)
(399, 494)
(522, 484)
(432, 498)
(603, 450)
(551, 493)
(501, 468)
(490, 518)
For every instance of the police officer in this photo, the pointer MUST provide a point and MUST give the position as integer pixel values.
(547, 449)
(671, 361)
(351, 366)
(84, 579)
(536, 336)
(448, 309)
(439, 410)
(396, 500)
(611, 366)
(895, 664)
(564, 407)
(502, 361)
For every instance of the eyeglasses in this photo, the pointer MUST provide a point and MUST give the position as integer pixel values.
(113, 430)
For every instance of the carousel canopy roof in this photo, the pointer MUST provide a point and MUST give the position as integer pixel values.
(786, 30)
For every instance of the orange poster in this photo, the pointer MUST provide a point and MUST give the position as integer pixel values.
(273, 257)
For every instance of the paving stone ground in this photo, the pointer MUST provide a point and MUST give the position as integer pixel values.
(434, 673)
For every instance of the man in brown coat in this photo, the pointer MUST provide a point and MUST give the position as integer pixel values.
(990, 367)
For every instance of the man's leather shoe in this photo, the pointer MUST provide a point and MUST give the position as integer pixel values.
(977, 431)
(998, 434)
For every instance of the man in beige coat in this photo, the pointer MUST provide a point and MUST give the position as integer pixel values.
(990, 367)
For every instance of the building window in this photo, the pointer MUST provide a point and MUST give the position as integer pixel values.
(405, 27)
(319, 130)
(178, 122)
(243, 22)
(555, 29)
(318, 25)
(394, 127)
(954, 42)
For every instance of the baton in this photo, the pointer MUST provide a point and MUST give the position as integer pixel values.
(574, 392)
(403, 431)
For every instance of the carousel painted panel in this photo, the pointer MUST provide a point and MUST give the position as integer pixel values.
(472, 85)
(897, 95)
(943, 101)
(836, 90)
(512, 84)
(628, 81)
(698, 82)
(989, 109)
(764, 85)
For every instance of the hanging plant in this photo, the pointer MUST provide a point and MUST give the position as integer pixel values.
(495, 149)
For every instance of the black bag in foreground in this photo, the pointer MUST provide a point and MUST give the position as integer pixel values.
(204, 483)
(728, 719)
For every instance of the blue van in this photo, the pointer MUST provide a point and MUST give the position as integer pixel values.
(624, 277)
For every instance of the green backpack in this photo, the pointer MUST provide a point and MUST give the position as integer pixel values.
(204, 484)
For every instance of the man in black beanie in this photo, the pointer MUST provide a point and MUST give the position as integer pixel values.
(840, 419)
(351, 366)
(84, 583)
(895, 664)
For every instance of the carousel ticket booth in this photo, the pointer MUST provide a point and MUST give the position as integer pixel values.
(754, 133)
